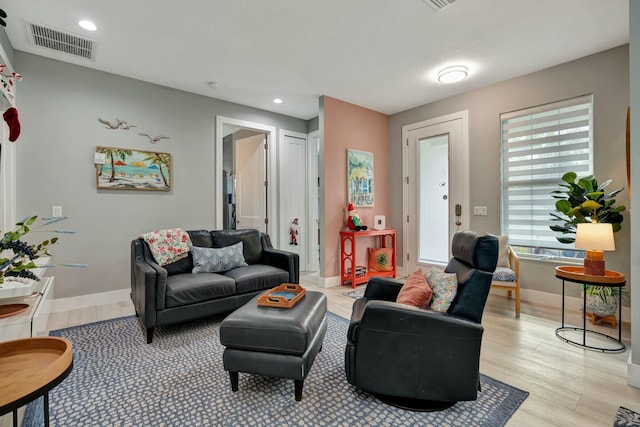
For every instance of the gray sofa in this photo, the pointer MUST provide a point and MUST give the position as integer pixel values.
(171, 294)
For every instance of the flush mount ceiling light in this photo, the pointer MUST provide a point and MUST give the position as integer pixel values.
(87, 25)
(453, 74)
(277, 101)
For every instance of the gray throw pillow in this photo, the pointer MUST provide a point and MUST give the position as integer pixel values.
(215, 260)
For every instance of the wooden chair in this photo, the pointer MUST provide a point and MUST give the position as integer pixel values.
(508, 277)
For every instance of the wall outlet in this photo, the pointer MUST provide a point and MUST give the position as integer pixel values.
(479, 210)
(56, 211)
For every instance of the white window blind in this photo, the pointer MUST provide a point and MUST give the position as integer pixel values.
(539, 145)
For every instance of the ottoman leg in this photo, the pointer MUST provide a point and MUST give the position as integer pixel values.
(234, 380)
(298, 387)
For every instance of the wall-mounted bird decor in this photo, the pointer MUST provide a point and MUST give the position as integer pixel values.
(119, 124)
(154, 139)
(3, 14)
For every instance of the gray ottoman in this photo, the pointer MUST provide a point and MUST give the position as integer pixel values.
(274, 342)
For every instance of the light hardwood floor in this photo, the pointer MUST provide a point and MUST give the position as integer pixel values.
(567, 385)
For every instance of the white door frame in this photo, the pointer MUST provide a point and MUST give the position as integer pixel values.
(8, 163)
(461, 152)
(270, 131)
(313, 189)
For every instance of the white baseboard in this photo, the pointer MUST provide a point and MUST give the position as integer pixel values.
(633, 373)
(555, 300)
(82, 301)
(328, 282)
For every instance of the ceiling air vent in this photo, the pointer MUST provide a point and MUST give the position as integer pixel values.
(60, 41)
(439, 4)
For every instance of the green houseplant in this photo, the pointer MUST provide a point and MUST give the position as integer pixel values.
(583, 200)
(17, 257)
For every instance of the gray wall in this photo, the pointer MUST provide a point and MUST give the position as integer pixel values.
(605, 74)
(313, 124)
(59, 107)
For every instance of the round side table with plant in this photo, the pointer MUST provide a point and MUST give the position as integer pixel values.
(583, 201)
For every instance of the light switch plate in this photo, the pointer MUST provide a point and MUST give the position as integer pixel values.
(479, 210)
(56, 211)
(99, 158)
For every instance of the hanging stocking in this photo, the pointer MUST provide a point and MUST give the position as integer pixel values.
(11, 117)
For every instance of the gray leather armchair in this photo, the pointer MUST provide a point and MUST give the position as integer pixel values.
(422, 359)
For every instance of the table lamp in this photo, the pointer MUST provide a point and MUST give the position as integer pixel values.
(595, 237)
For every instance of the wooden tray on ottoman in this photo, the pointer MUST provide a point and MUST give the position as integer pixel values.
(285, 295)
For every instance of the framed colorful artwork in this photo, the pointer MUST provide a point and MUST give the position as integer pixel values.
(360, 178)
(127, 169)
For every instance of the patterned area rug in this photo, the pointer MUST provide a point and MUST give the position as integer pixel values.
(178, 380)
(358, 293)
(626, 418)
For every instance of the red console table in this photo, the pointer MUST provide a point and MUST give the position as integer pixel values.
(348, 246)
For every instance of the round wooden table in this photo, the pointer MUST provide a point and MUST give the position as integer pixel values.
(29, 368)
(611, 279)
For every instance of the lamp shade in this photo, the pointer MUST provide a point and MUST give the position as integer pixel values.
(598, 236)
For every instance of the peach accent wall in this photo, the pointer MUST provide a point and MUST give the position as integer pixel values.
(348, 126)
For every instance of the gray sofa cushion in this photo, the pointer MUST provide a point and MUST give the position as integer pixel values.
(185, 289)
(256, 277)
(251, 243)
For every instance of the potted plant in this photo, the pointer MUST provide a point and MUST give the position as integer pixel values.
(585, 201)
(17, 256)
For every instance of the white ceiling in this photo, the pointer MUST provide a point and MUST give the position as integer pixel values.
(379, 54)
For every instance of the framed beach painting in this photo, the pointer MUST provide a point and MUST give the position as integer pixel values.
(127, 169)
(360, 178)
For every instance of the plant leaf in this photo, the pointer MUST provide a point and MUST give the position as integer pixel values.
(569, 177)
(591, 205)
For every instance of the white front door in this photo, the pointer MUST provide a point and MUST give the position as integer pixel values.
(437, 190)
(251, 175)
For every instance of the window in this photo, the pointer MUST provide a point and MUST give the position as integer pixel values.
(539, 145)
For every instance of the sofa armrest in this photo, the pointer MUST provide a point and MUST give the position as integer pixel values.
(148, 283)
(379, 288)
(285, 260)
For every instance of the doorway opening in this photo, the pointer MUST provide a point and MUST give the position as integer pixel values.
(246, 165)
(244, 176)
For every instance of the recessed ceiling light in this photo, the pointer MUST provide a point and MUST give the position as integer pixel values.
(453, 74)
(277, 101)
(87, 25)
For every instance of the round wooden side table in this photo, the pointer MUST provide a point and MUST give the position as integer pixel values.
(29, 368)
(611, 279)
